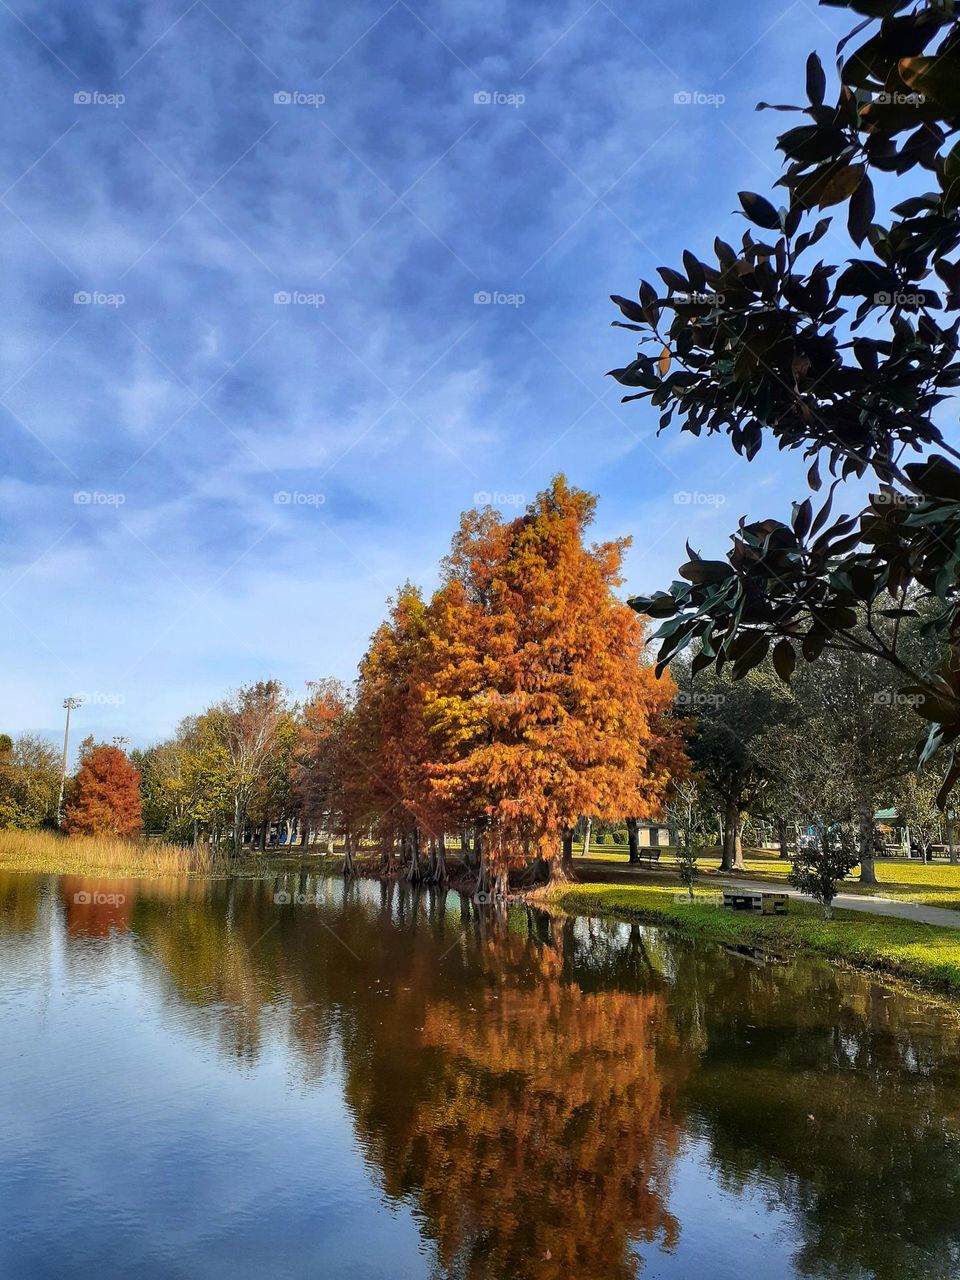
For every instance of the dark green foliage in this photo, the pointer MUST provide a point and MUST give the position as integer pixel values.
(846, 362)
(818, 869)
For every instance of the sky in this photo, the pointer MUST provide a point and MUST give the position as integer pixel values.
(289, 288)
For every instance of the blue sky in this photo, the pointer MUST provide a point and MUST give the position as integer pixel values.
(204, 485)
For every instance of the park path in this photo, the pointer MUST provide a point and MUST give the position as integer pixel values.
(918, 912)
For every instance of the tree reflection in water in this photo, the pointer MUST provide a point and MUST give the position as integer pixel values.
(527, 1083)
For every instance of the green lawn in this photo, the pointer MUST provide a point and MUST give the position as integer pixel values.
(937, 884)
(920, 953)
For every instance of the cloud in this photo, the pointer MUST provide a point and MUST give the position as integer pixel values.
(382, 391)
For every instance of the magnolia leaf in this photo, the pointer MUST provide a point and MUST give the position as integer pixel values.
(784, 660)
(759, 210)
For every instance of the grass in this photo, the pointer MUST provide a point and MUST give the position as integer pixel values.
(46, 851)
(922, 954)
(937, 884)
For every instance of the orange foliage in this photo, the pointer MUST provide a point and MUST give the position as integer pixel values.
(104, 797)
(537, 699)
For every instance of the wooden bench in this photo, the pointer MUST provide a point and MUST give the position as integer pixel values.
(769, 904)
(775, 904)
(650, 857)
(738, 900)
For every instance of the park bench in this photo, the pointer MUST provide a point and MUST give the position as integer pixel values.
(775, 904)
(770, 904)
(650, 857)
(736, 900)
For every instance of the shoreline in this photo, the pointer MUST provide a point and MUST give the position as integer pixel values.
(925, 957)
(919, 955)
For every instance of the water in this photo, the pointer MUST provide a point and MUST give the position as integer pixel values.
(196, 1081)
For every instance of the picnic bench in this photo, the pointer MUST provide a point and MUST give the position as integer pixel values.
(768, 904)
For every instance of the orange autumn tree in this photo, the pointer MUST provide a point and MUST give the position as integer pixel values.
(536, 696)
(104, 797)
(391, 737)
(315, 764)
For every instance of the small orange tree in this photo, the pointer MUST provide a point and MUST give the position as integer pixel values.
(104, 798)
(392, 737)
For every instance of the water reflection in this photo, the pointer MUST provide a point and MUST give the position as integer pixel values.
(547, 1098)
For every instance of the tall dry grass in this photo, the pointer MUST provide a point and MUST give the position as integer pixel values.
(48, 851)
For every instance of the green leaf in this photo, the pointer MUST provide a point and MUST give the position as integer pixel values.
(841, 185)
(759, 210)
(816, 80)
(862, 208)
(632, 310)
(704, 572)
(802, 516)
(784, 660)
(936, 477)
(951, 178)
(937, 78)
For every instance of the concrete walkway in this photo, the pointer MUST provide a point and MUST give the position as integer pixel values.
(918, 912)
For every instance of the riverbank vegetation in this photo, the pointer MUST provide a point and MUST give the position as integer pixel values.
(923, 954)
(47, 851)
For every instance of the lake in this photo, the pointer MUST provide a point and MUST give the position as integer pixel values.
(294, 1077)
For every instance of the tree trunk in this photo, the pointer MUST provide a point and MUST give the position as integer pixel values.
(239, 818)
(415, 872)
(349, 867)
(950, 847)
(483, 893)
(732, 859)
(868, 873)
(633, 840)
(470, 848)
(588, 827)
(304, 832)
(782, 840)
(262, 842)
(440, 861)
(566, 849)
(827, 911)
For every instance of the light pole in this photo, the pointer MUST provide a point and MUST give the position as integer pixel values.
(69, 703)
